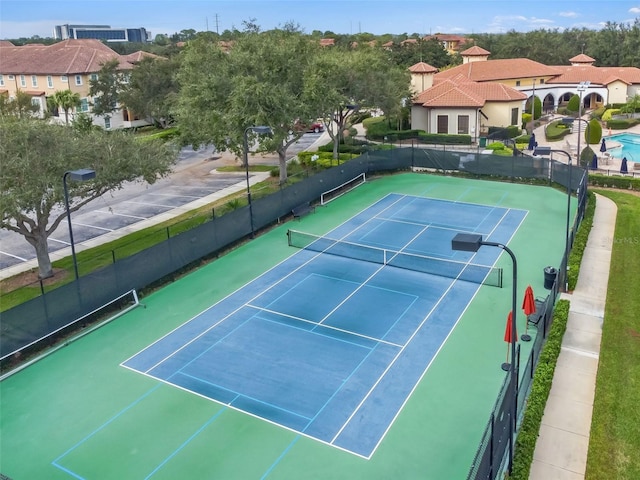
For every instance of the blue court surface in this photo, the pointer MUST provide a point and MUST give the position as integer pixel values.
(329, 346)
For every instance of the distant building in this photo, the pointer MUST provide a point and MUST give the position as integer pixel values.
(101, 32)
(42, 70)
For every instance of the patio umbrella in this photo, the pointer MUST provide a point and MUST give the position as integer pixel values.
(603, 146)
(532, 142)
(594, 162)
(508, 332)
(623, 166)
(529, 307)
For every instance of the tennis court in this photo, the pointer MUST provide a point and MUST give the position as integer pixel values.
(352, 344)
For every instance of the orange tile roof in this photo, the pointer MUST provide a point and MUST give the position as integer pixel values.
(458, 92)
(598, 75)
(582, 58)
(63, 58)
(496, 70)
(327, 42)
(446, 37)
(475, 51)
(422, 67)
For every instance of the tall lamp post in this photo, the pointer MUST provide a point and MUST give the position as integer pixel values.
(471, 242)
(533, 106)
(544, 151)
(81, 175)
(260, 130)
(582, 86)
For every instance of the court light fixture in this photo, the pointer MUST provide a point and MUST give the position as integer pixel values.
(260, 130)
(471, 242)
(82, 175)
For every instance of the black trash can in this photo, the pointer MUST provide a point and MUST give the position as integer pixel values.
(550, 274)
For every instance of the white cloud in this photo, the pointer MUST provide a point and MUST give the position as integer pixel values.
(568, 14)
(634, 10)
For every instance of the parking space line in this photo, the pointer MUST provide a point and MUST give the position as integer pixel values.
(13, 256)
(121, 215)
(152, 204)
(59, 241)
(93, 226)
(173, 195)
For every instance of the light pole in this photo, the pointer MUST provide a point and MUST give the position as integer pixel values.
(544, 151)
(471, 242)
(260, 130)
(533, 106)
(81, 175)
(582, 86)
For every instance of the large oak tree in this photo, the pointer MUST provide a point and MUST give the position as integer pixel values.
(258, 81)
(34, 155)
(340, 81)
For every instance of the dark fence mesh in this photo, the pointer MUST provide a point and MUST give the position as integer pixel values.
(39, 317)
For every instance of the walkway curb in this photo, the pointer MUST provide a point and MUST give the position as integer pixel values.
(563, 440)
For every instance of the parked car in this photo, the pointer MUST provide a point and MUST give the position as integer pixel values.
(315, 127)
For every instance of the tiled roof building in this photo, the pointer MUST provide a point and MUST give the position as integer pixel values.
(42, 70)
(484, 93)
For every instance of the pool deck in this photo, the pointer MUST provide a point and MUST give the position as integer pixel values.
(608, 166)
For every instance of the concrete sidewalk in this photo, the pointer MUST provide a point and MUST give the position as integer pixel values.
(563, 441)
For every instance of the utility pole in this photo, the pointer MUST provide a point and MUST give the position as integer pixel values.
(217, 29)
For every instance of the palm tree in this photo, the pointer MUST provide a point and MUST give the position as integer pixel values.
(66, 100)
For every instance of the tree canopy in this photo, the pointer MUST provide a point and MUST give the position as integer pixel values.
(151, 89)
(34, 156)
(258, 82)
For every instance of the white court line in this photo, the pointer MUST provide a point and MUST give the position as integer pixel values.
(14, 256)
(93, 226)
(152, 204)
(121, 215)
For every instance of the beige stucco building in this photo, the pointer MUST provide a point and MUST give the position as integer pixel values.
(483, 93)
(42, 70)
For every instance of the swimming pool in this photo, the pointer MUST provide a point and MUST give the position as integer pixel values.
(629, 146)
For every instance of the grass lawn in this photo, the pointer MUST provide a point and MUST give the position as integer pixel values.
(614, 448)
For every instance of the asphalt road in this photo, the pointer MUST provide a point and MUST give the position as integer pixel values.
(194, 176)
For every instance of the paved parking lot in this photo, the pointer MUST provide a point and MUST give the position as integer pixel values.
(195, 181)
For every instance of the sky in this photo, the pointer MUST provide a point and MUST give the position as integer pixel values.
(27, 18)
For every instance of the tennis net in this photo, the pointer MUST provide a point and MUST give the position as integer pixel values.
(482, 274)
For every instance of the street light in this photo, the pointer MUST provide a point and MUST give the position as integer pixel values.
(533, 106)
(81, 175)
(260, 130)
(471, 242)
(582, 86)
(544, 151)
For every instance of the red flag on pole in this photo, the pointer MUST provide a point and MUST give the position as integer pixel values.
(529, 302)
(508, 333)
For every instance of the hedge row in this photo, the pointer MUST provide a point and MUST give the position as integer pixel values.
(580, 242)
(622, 124)
(540, 388)
(616, 181)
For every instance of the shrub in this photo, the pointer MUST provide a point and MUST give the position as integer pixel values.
(540, 388)
(444, 139)
(595, 132)
(606, 116)
(580, 242)
(622, 124)
(626, 183)
(556, 131)
(573, 105)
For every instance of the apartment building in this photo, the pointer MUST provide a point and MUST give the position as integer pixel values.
(41, 70)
